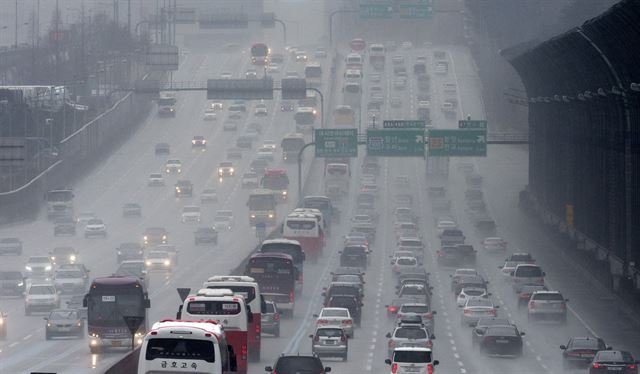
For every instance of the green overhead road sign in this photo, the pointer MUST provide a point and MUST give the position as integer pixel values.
(396, 143)
(376, 9)
(401, 124)
(469, 143)
(472, 124)
(414, 9)
(336, 142)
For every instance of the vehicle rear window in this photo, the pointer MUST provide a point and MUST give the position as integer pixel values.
(301, 225)
(298, 364)
(185, 349)
(410, 333)
(414, 357)
(548, 296)
(501, 331)
(406, 261)
(271, 308)
(528, 271)
(473, 292)
(335, 313)
(330, 333)
(585, 344)
(213, 308)
(614, 356)
(414, 309)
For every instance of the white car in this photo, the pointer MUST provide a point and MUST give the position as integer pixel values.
(508, 268)
(95, 227)
(158, 260)
(190, 213)
(209, 195)
(269, 144)
(173, 166)
(41, 297)
(210, 114)
(265, 153)
(469, 293)
(403, 263)
(339, 317)
(362, 218)
(226, 75)
(155, 179)
(251, 74)
(475, 308)
(260, 110)
(216, 105)
(83, 218)
(225, 168)
(39, 267)
(414, 360)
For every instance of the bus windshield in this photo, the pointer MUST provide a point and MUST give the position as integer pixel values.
(259, 50)
(109, 308)
(248, 292)
(301, 225)
(59, 195)
(293, 250)
(271, 267)
(262, 202)
(183, 349)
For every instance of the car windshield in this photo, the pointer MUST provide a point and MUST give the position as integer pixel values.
(42, 290)
(410, 333)
(413, 290)
(38, 260)
(406, 261)
(94, 222)
(158, 254)
(510, 264)
(63, 314)
(521, 257)
(473, 292)
(413, 357)
(68, 274)
(130, 269)
(221, 219)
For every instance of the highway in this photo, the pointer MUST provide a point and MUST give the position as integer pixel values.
(123, 178)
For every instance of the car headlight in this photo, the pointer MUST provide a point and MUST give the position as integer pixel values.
(204, 142)
(148, 263)
(79, 323)
(120, 253)
(72, 257)
(284, 193)
(253, 216)
(168, 170)
(270, 215)
(47, 268)
(48, 324)
(231, 170)
(220, 171)
(179, 170)
(164, 237)
(20, 284)
(178, 189)
(193, 142)
(145, 238)
(167, 262)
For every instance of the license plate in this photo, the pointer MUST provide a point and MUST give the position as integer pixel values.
(502, 341)
(330, 342)
(614, 368)
(64, 329)
(115, 343)
(411, 370)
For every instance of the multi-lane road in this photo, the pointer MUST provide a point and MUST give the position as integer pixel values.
(122, 178)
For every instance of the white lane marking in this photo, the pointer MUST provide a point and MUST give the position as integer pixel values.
(463, 371)
(13, 344)
(460, 363)
(27, 337)
(457, 356)
(538, 358)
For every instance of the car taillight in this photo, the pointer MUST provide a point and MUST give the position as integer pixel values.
(596, 365)
(541, 280)
(316, 339)
(429, 344)
(243, 352)
(258, 329)
(439, 253)
(291, 296)
(428, 316)
(493, 312)
(394, 368)
(276, 317)
(347, 322)
(429, 368)
(322, 322)
(466, 312)
(563, 306)
(392, 309)
(632, 366)
(392, 343)
(524, 295)
(343, 338)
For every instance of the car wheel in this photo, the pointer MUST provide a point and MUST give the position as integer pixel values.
(47, 336)
(27, 311)
(344, 357)
(276, 333)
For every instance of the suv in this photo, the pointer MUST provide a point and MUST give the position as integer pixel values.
(526, 274)
(63, 255)
(39, 266)
(330, 341)
(225, 168)
(41, 297)
(95, 227)
(70, 281)
(409, 335)
(423, 310)
(452, 237)
(456, 255)
(412, 360)
(298, 364)
(155, 236)
(205, 235)
(548, 304)
(579, 351)
(133, 268)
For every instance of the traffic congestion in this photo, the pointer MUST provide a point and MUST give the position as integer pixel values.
(382, 264)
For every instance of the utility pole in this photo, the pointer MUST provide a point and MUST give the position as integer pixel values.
(129, 17)
(16, 27)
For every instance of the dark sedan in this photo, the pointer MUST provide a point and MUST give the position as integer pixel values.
(614, 361)
(64, 226)
(456, 255)
(579, 352)
(502, 341)
(477, 333)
